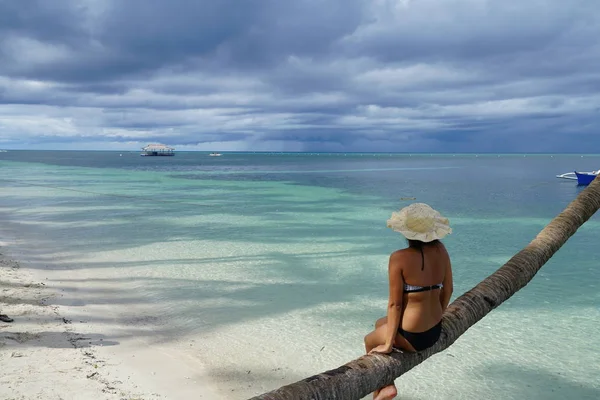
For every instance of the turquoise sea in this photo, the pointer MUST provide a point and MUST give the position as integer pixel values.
(276, 263)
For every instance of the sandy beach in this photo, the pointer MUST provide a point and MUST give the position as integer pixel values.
(48, 352)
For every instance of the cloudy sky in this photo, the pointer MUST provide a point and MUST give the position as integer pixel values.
(301, 75)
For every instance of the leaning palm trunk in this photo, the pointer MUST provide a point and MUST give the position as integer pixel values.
(368, 373)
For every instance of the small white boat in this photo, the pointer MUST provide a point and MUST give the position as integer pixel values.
(215, 154)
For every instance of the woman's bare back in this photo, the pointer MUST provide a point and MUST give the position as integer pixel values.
(427, 266)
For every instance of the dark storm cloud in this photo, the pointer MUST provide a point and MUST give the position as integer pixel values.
(430, 75)
(55, 22)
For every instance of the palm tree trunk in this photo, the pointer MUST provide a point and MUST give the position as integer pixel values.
(360, 377)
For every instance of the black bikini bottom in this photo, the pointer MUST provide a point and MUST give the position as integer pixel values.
(422, 340)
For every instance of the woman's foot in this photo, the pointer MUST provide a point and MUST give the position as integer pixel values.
(386, 393)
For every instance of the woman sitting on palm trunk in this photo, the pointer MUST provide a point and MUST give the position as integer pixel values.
(420, 280)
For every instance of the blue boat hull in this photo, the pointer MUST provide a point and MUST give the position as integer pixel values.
(584, 179)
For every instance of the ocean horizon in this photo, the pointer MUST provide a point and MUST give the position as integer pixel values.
(310, 152)
(275, 262)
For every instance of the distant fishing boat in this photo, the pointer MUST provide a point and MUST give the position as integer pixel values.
(582, 178)
(157, 149)
(215, 154)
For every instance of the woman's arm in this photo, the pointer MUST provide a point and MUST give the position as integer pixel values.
(446, 291)
(394, 311)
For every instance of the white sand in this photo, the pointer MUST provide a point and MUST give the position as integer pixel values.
(49, 352)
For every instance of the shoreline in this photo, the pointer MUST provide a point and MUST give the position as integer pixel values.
(50, 351)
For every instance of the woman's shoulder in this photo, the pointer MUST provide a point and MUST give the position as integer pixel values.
(400, 252)
(399, 256)
(442, 248)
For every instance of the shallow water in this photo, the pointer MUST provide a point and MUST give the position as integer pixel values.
(275, 263)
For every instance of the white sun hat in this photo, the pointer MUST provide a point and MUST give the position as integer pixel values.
(419, 222)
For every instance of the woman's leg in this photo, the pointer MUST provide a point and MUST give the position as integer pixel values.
(374, 339)
(378, 336)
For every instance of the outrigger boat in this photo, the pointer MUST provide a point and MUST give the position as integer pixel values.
(582, 178)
